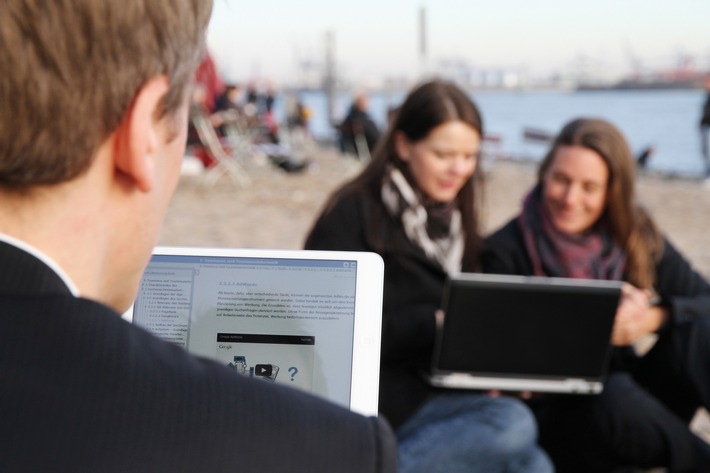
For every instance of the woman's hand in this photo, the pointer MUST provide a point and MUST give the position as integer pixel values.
(635, 316)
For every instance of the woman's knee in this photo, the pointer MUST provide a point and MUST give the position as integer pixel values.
(500, 413)
(500, 423)
(510, 415)
(460, 429)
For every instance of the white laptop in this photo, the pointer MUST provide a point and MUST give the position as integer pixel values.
(523, 333)
(306, 319)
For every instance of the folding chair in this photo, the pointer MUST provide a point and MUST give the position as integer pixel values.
(363, 150)
(224, 163)
(353, 140)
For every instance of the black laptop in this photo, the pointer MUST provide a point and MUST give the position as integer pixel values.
(523, 333)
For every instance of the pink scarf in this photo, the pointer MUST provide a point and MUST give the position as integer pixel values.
(592, 255)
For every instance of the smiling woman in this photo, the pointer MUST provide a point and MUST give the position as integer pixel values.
(414, 205)
(575, 189)
(581, 220)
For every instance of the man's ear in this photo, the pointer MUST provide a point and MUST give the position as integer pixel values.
(139, 134)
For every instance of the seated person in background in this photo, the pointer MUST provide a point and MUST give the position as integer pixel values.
(259, 112)
(581, 220)
(298, 136)
(297, 115)
(268, 117)
(90, 153)
(208, 78)
(705, 130)
(644, 156)
(230, 99)
(414, 205)
(358, 130)
(201, 124)
(230, 119)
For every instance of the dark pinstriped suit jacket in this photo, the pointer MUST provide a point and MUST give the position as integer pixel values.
(81, 390)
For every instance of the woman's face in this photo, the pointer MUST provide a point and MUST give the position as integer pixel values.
(575, 189)
(443, 161)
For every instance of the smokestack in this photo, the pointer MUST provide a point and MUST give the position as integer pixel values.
(330, 77)
(422, 32)
(422, 42)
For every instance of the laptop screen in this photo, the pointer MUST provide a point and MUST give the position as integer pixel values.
(278, 318)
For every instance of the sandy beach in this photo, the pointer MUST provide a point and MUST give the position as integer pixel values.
(278, 208)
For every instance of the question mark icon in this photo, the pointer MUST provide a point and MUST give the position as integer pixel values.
(293, 370)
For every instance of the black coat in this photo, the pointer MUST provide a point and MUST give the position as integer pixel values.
(413, 289)
(705, 117)
(82, 390)
(685, 292)
(358, 122)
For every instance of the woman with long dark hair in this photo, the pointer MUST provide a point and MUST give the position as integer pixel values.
(415, 205)
(582, 220)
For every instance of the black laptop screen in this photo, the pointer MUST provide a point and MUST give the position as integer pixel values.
(527, 329)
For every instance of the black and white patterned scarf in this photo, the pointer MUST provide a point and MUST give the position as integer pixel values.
(436, 228)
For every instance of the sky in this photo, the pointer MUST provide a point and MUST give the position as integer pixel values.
(268, 39)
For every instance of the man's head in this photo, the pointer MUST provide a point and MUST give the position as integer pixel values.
(362, 101)
(93, 122)
(71, 69)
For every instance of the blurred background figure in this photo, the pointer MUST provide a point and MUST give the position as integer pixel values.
(230, 99)
(259, 108)
(358, 132)
(209, 79)
(232, 120)
(297, 114)
(296, 132)
(198, 111)
(705, 129)
(644, 156)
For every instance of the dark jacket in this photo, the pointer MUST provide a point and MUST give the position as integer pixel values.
(413, 289)
(358, 123)
(705, 118)
(82, 390)
(685, 292)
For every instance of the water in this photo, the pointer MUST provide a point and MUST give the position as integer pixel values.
(668, 120)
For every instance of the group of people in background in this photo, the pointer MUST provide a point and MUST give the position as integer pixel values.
(415, 205)
(357, 132)
(245, 121)
(252, 109)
